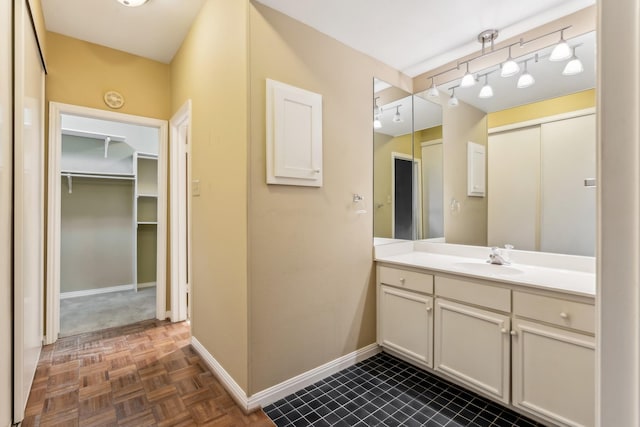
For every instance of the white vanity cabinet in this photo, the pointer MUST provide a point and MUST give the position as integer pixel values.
(405, 313)
(529, 348)
(553, 370)
(472, 343)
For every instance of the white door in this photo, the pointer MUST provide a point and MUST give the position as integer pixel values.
(6, 118)
(29, 208)
(406, 323)
(568, 216)
(554, 373)
(180, 208)
(513, 188)
(432, 184)
(472, 346)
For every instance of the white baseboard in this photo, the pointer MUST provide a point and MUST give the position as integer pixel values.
(87, 292)
(146, 285)
(285, 388)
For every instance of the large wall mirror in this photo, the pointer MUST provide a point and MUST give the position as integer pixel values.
(407, 165)
(540, 156)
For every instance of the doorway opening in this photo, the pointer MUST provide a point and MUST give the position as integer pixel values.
(107, 220)
(406, 196)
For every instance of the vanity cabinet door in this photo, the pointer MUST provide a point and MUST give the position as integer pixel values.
(472, 346)
(405, 323)
(554, 373)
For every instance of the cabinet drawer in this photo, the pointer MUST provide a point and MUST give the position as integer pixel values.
(406, 279)
(557, 311)
(474, 293)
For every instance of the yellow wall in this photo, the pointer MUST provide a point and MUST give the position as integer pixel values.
(549, 107)
(312, 293)
(211, 69)
(80, 73)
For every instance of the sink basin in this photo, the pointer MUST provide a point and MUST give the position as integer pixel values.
(491, 269)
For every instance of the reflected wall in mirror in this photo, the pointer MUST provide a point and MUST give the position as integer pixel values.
(540, 155)
(407, 184)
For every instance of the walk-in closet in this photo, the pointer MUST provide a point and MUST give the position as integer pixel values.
(108, 224)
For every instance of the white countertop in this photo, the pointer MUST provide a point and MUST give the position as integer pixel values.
(561, 273)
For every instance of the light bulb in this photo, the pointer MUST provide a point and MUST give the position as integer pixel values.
(561, 52)
(433, 90)
(574, 66)
(509, 68)
(525, 80)
(486, 91)
(467, 81)
(132, 3)
(377, 124)
(453, 101)
(396, 116)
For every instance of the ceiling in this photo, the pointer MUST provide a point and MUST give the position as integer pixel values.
(155, 30)
(415, 36)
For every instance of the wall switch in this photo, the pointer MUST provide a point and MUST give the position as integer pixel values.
(195, 188)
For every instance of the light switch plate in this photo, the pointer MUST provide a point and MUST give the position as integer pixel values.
(195, 188)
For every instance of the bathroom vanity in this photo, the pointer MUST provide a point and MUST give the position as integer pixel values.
(522, 334)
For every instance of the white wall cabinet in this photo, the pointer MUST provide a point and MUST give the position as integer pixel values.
(533, 350)
(472, 346)
(406, 323)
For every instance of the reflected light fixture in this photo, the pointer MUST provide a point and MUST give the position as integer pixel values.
(433, 90)
(377, 113)
(525, 80)
(396, 116)
(562, 50)
(132, 3)
(574, 66)
(509, 67)
(453, 101)
(468, 80)
(487, 90)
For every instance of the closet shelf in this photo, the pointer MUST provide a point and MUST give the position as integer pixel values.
(147, 195)
(147, 222)
(93, 135)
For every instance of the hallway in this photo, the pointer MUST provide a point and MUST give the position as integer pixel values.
(145, 374)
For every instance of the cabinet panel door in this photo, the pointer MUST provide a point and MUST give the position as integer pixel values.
(406, 323)
(554, 373)
(472, 346)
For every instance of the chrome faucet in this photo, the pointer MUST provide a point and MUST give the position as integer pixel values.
(496, 257)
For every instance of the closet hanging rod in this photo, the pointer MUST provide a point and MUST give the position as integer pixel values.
(99, 176)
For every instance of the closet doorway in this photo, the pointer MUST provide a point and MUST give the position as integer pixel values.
(107, 220)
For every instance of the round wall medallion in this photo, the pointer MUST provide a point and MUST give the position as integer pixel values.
(113, 99)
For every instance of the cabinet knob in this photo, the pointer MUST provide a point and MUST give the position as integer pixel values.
(402, 280)
(513, 333)
(429, 309)
(564, 315)
(316, 170)
(503, 330)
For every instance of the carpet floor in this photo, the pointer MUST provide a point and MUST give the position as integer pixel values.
(96, 312)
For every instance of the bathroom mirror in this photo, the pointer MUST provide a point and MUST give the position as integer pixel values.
(407, 189)
(540, 158)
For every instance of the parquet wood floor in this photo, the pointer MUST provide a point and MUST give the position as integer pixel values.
(146, 374)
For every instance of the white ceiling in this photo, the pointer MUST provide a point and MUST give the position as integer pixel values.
(415, 36)
(155, 30)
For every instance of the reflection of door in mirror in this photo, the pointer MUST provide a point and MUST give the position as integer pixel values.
(432, 207)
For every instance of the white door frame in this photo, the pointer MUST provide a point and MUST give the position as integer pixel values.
(53, 207)
(180, 136)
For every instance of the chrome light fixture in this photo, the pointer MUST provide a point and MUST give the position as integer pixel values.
(377, 113)
(562, 50)
(509, 67)
(468, 80)
(574, 66)
(132, 3)
(453, 101)
(525, 80)
(433, 90)
(487, 90)
(396, 116)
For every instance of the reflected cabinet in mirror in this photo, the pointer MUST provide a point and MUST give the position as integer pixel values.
(539, 140)
(407, 165)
